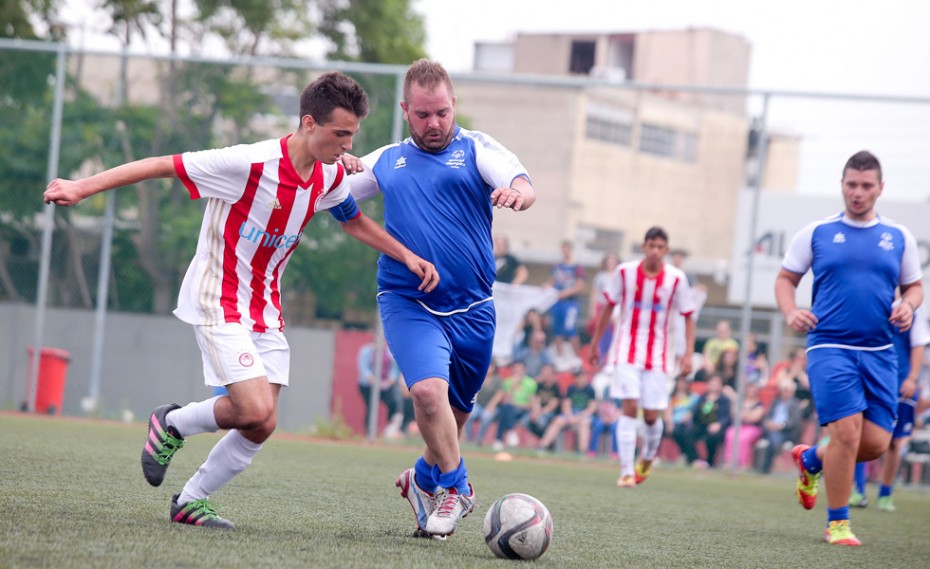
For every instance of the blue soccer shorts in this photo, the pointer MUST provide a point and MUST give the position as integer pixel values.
(456, 347)
(845, 382)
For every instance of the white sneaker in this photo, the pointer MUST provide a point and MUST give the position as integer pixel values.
(497, 446)
(450, 508)
(420, 500)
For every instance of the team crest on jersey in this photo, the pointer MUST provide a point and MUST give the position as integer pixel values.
(886, 243)
(457, 160)
(246, 359)
(840, 237)
(274, 204)
(401, 163)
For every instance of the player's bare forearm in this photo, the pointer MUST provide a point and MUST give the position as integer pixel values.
(599, 328)
(685, 365)
(902, 316)
(519, 196)
(71, 192)
(365, 230)
(786, 286)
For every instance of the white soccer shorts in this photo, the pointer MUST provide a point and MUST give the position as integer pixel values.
(649, 387)
(232, 353)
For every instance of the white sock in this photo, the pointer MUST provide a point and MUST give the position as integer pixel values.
(652, 438)
(194, 418)
(626, 444)
(228, 458)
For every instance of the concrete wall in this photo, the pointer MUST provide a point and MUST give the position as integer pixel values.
(150, 360)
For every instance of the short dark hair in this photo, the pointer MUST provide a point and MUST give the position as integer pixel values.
(331, 91)
(862, 161)
(656, 232)
(428, 74)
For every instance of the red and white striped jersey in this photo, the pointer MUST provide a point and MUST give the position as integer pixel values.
(647, 304)
(257, 208)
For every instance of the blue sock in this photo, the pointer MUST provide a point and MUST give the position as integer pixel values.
(860, 477)
(884, 491)
(425, 478)
(457, 478)
(810, 461)
(835, 515)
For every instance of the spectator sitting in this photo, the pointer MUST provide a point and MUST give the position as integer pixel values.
(796, 372)
(563, 356)
(482, 412)
(782, 424)
(714, 347)
(679, 407)
(751, 429)
(757, 365)
(545, 402)
(727, 368)
(535, 355)
(710, 417)
(578, 406)
(533, 321)
(604, 421)
(513, 403)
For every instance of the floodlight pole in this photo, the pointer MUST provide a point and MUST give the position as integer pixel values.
(746, 315)
(48, 222)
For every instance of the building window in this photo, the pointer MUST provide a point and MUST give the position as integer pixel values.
(689, 147)
(668, 142)
(609, 124)
(582, 57)
(657, 140)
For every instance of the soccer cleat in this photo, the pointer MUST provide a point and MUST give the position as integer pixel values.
(626, 481)
(450, 508)
(858, 500)
(197, 513)
(163, 441)
(642, 470)
(838, 533)
(885, 504)
(420, 500)
(807, 482)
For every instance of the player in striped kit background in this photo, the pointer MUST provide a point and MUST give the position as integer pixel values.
(259, 199)
(649, 293)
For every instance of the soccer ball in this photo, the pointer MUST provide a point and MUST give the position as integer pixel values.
(518, 526)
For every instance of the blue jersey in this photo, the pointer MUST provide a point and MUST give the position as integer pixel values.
(438, 205)
(857, 266)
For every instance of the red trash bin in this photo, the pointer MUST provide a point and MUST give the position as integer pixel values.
(53, 374)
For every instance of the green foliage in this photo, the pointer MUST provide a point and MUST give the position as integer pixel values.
(382, 31)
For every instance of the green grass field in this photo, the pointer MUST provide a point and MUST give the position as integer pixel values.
(72, 495)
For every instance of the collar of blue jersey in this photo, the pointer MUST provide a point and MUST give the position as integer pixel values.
(863, 224)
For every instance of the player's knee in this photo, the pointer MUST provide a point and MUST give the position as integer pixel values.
(257, 415)
(429, 396)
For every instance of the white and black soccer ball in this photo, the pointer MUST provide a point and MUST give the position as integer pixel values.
(518, 526)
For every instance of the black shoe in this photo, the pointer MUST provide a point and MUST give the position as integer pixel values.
(163, 441)
(197, 513)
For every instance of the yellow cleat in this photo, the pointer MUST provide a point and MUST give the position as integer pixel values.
(642, 470)
(838, 533)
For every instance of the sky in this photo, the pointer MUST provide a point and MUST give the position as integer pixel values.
(822, 46)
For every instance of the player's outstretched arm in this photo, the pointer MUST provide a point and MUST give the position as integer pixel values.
(519, 196)
(71, 192)
(364, 229)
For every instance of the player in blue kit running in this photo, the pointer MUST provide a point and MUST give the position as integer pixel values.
(858, 259)
(440, 187)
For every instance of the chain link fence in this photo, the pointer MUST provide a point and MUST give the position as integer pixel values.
(609, 159)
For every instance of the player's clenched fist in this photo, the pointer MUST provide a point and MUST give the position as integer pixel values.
(63, 192)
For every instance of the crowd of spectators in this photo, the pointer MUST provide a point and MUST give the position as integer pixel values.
(546, 397)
